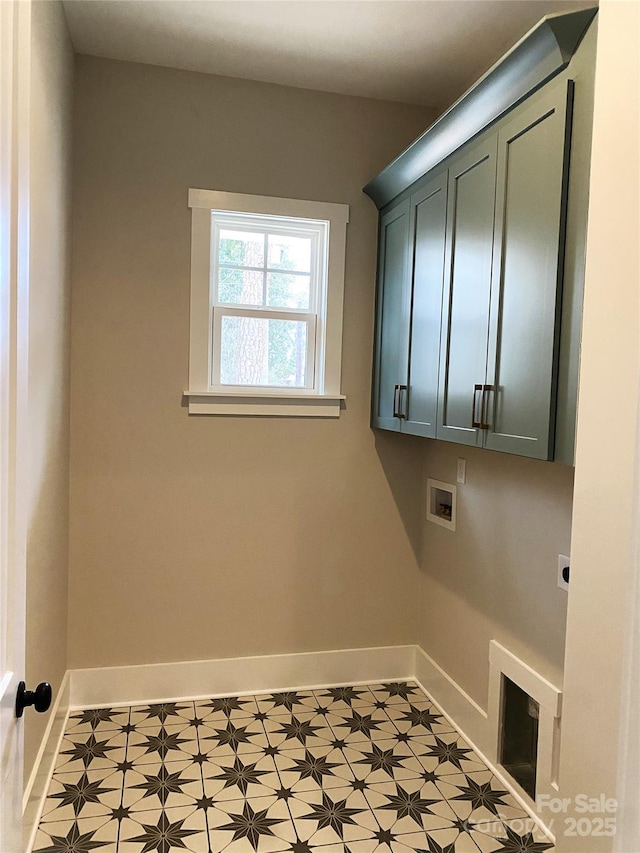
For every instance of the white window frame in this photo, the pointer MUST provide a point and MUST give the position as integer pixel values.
(321, 395)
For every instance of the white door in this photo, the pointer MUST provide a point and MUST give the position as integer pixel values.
(15, 16)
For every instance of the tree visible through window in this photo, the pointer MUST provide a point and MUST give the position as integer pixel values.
(265, 297)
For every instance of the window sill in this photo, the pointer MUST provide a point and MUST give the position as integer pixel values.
(264, 405)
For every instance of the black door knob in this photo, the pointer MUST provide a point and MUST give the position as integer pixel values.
(40, 698)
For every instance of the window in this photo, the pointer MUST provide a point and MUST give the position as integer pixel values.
(267, 281)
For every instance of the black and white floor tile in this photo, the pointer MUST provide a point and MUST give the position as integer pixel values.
(360, 769)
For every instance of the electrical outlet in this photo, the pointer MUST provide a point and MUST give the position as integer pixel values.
(564, 564)
(462, 471)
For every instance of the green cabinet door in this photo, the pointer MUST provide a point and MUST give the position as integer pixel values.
(428, 222)
(392, 325)
(526, 281)
(466, 297)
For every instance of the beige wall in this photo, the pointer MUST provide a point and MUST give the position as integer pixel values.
(605, 520)
(495, 577)
(203, 537)
(47, 552)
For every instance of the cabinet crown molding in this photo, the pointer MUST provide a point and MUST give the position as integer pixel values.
(541, 54)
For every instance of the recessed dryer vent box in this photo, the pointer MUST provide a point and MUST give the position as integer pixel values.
(441, 503)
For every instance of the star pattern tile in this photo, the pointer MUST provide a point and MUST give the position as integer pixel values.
(333, 813)
(251, 824)
(232, 736)
(80, 792)
(73, 842)
(161, 743)
(448, 751)
(381, 759)
(163, 836)
(515, 843)
(163, 783)
(240, 775)
(104, 719)
(361, 723)
(91, 751)
(344, 694)
(163, 712)
(482, 795)
(314, 767)
(350, 769)
(300, 730)
(228, 704)
(422, 717)
(408, 804)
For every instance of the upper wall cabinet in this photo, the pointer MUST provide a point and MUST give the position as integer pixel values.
(470, 282)
(392, 344)
(524, 319)
(411, 264)
(428, 224)
(500, 301)
(467, 293)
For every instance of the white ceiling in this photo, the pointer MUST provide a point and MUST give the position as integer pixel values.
(417, 51)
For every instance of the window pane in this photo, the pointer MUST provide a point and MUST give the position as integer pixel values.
(287, 291)
(240, 286)
(242, 248)
(258, 351)
(289, 253)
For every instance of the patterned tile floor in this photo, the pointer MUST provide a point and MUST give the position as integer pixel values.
(338, 770)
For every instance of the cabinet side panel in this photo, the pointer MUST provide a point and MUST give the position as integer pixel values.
(430, 212)
(466, 313)
(582, 72)
(391, 360)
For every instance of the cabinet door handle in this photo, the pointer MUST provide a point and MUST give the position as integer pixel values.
(486, 390)
(403, 414)
(396, 388)
(480, 424)
(476, 424)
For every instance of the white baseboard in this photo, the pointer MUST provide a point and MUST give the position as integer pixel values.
(131, 685)
(469, 718)
(38, 783)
